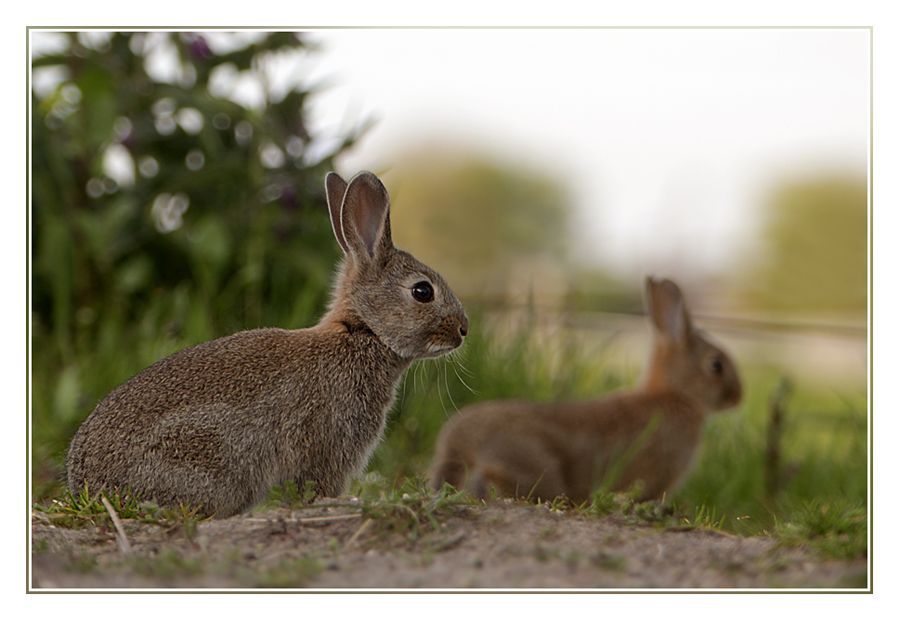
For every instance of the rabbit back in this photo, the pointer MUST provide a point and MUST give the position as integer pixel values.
(217, 424)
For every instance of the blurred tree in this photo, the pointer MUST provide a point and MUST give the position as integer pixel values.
(489, 227)
(168, 208)
(156, 195)
(813, 256)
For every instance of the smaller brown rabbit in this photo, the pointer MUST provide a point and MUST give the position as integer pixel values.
(646, 436)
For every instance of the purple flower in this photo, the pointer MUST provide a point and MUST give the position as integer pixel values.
(289, 197)
(198, 47)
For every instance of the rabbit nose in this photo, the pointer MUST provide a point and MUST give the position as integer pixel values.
(464, 326)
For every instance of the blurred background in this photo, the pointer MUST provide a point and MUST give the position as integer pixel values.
(177, 196)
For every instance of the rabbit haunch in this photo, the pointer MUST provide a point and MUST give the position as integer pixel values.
(217, 424)
(648, 435)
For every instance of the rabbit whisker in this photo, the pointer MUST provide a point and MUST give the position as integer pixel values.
(441, 398)
(447, 386)
(457, 356)
(403, 388)
(459, 377)
(422, 373)
(412, 371)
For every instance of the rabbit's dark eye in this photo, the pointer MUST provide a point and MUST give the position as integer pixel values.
(717, 366)
(423, 292)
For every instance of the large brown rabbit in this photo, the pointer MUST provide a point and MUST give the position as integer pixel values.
(649, 434)
(218, 424)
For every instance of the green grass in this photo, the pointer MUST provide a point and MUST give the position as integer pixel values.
(289, 495)
(823, 445)
(167, 565)
(662, 514)
(411, 509)
(820, 499)
(836, 528)
(289, 573)
(86, 509)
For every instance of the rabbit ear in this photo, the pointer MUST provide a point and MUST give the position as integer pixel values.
(335, 188)
(365, 216)
(667, 309)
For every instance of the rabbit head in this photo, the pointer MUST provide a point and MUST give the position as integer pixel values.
(405, 303)
(683, 357)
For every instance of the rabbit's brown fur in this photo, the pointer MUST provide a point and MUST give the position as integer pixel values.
(649, 434)
(217, 424)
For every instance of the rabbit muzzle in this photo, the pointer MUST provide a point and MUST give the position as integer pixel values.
(450, 334)
(731, 396)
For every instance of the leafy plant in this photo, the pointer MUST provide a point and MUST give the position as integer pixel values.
(289, 494)
(836, 528)
(411, 509)
(166, 209)
(86, 509)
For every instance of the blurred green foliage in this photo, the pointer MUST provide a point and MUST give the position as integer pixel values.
(491, 228)
(224, 209)
(814, 253)
(164, 213)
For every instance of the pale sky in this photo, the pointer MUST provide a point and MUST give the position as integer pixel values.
(667, 140)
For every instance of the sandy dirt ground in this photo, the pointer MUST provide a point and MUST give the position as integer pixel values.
(500, 545)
